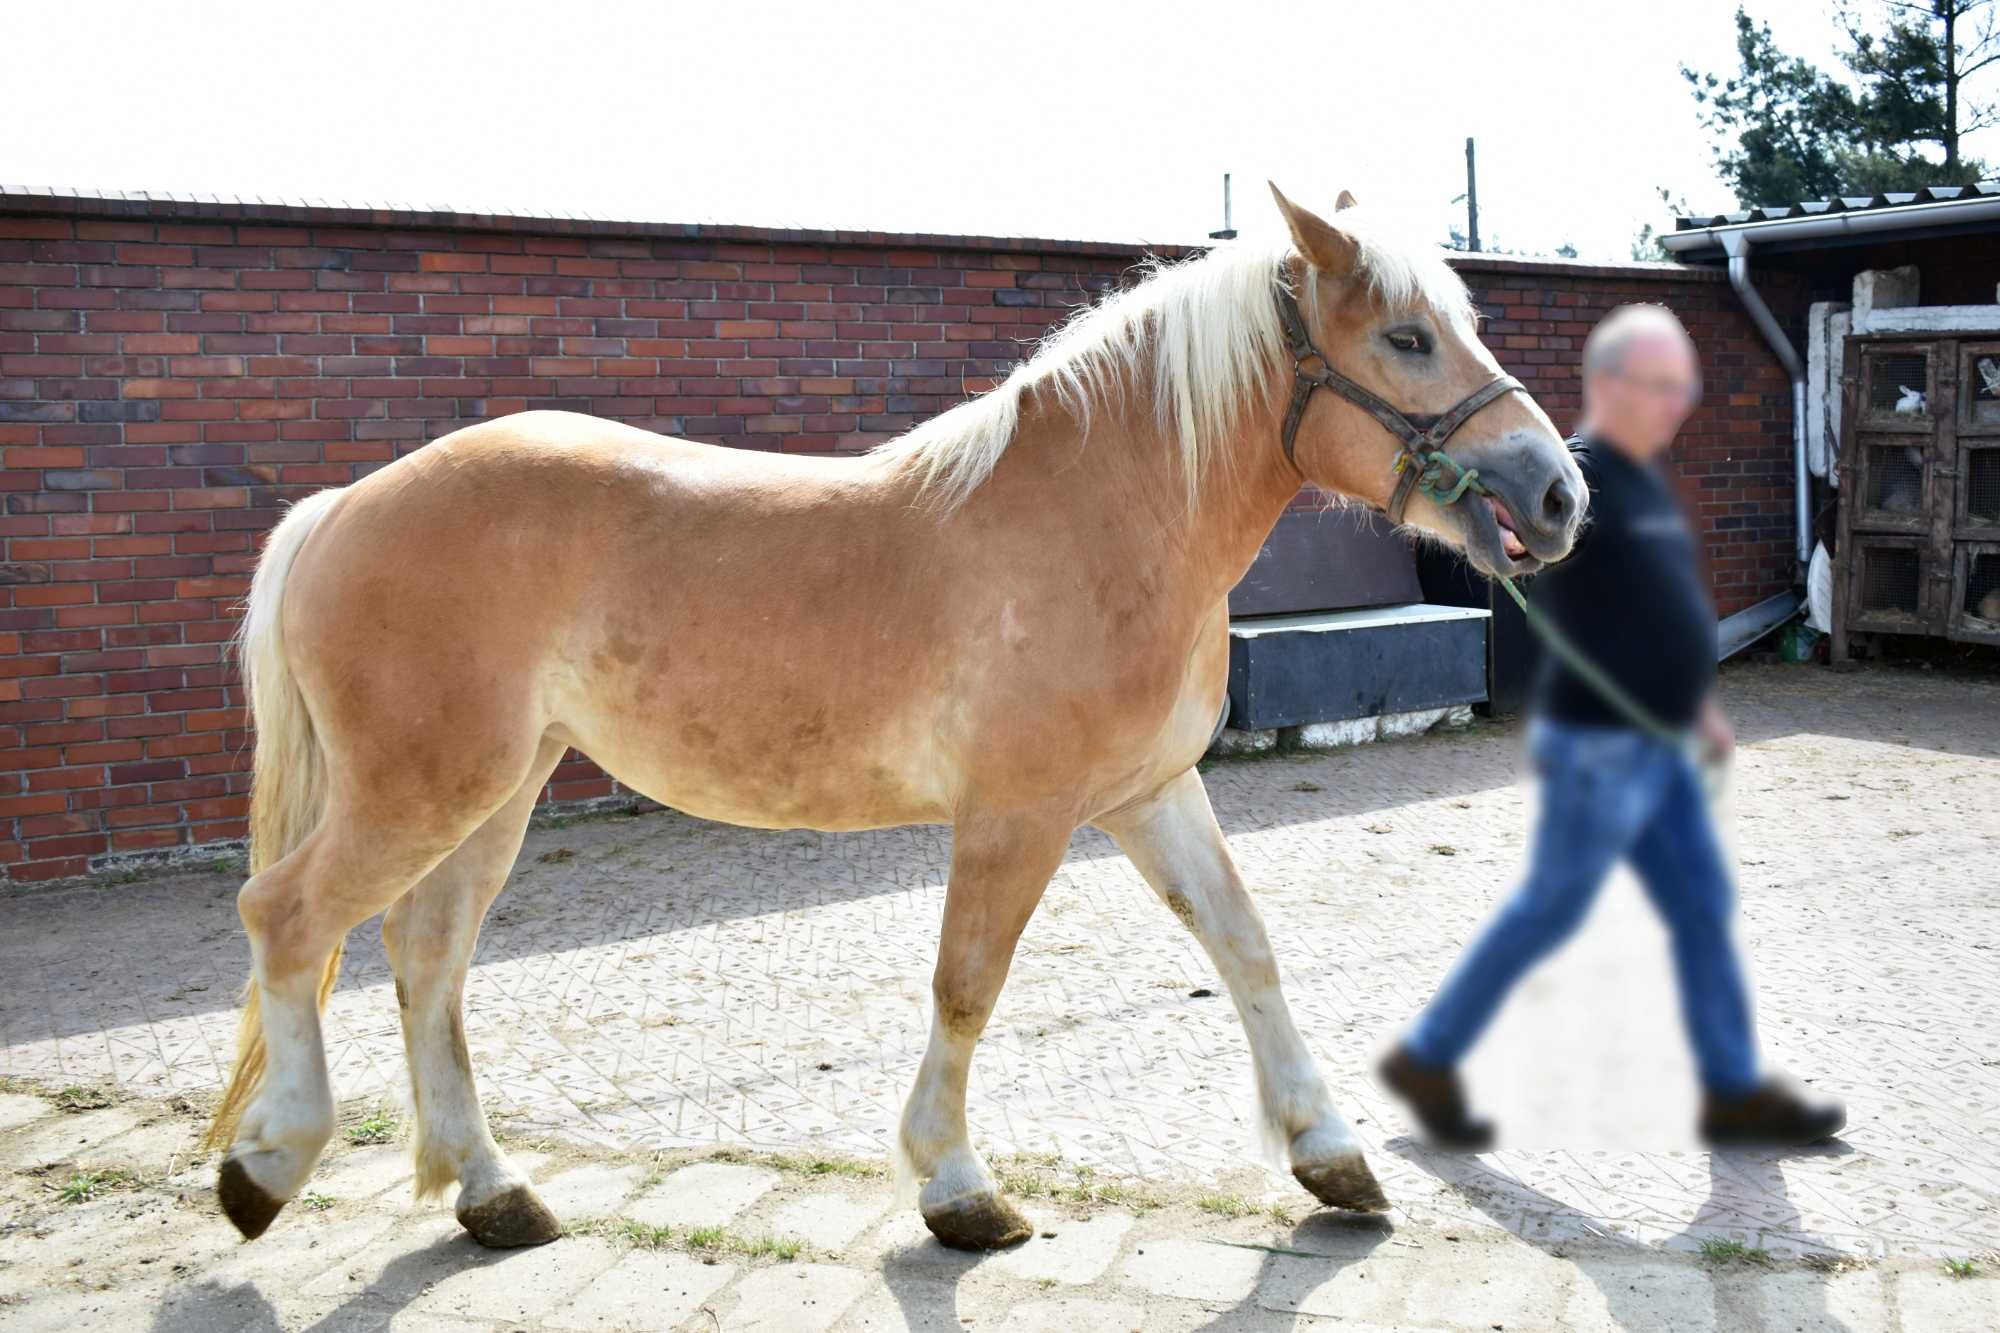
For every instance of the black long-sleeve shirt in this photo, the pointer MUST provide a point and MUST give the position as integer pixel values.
(1631, 596)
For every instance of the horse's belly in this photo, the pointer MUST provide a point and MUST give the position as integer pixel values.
(761, 769)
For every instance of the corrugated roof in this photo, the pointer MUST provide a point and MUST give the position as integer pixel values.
(1812, 208)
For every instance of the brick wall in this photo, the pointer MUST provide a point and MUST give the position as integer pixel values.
(170, 374)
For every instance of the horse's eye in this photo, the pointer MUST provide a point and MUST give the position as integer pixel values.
(1408, 340)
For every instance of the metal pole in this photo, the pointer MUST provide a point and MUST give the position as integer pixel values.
(1228, 232)
(1471, 198)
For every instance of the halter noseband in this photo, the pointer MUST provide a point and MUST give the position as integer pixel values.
(1422, 463)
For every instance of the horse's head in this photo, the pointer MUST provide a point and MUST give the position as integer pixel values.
(1394, 321)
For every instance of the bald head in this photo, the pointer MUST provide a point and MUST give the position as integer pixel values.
(1641, 379)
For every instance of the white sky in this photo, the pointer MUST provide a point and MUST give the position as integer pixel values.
(1096, 120)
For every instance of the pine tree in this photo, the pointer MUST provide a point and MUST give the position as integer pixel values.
(1789, 131)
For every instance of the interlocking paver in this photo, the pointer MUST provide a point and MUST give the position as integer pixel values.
(707, 1194)
(586, 1192)
(515, 1286)
(825, 1221)
(797, 1298)
(1066, 1249)
(1194, 1270)
(644, 1290)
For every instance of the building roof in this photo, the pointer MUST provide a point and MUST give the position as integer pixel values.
(1935, 210)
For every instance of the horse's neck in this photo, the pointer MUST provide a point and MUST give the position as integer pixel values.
(1123, 487)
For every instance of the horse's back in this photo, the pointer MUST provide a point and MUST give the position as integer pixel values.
(684, 613)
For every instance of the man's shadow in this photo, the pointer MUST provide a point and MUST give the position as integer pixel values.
(1747, 1200)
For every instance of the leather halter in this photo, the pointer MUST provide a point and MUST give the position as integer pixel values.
(1421, 464)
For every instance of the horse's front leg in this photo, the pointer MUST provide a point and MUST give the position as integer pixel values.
(1174, 840)
(1000, 864)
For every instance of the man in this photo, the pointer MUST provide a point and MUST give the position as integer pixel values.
(1631, 598)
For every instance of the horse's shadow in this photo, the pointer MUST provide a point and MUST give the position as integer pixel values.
(1747, 1199)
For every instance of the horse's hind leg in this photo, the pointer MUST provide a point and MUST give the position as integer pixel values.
(1174, 841)
(999, 868)
(430, 934)
(297, 913)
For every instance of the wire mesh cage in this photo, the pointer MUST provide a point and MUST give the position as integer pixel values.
(1981, 386)
(1899, 384)
(1891, 580)
(1895, 478)
(1981, 480)
(1982, 587)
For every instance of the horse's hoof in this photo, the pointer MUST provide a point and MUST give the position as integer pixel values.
(510, 1220)
(978, 1222)
(247, 1203)
(1345, 1182)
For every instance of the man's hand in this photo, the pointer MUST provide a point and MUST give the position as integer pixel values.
(1718, 738)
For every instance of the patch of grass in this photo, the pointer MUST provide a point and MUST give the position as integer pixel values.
(379, 1127)
(1962, 1267)
(75, 1097)
(774, 1247)
(83, 1186)
(719, 1240)
(645, 1235)
(315, 1202)
(1722, 1252)
(1225, 1205)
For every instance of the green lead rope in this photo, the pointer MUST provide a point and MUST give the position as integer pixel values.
(1591, 674)
(1714, 772)
(1430, 482)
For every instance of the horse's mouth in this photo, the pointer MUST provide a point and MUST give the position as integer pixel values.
(1491, 541)
(1510, 541)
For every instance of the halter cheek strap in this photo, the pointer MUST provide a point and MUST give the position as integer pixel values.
(1421, 465)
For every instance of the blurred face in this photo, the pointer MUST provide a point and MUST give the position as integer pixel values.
(1644, 396)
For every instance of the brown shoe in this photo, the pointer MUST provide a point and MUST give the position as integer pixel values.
(1780, 1113)
(1437, 1101)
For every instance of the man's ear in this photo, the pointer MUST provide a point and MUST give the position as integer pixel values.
(1325, 246)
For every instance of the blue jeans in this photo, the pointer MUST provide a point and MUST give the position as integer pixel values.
(1607, 794)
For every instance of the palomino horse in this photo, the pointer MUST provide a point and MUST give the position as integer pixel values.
(1011, 620)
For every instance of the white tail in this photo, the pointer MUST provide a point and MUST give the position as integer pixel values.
(289, 780)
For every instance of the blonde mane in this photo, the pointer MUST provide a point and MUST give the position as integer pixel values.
(1204, 331)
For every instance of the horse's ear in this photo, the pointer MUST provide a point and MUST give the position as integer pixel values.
(1325, 246)
(1345, 202)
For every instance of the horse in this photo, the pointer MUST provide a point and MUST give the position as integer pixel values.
(1012, 620)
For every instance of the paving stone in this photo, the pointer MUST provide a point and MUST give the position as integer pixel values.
(155, 1147)
(647, 1289)
(520, 1285)
(1852, 1302)
(827, 1222)
(908, 1304)
(362, 1173)
(18, 1109)
(68, 1311)
(1640, 1297)
(1071, 1315)
(585, 1192)
(1939, 1303)
(706, 1194)
(76, 1137)
(794, 1298)
(1066, 1250)
(1194, 1270)
(402, 1263)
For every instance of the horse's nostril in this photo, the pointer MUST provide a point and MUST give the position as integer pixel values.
(1557, 504)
